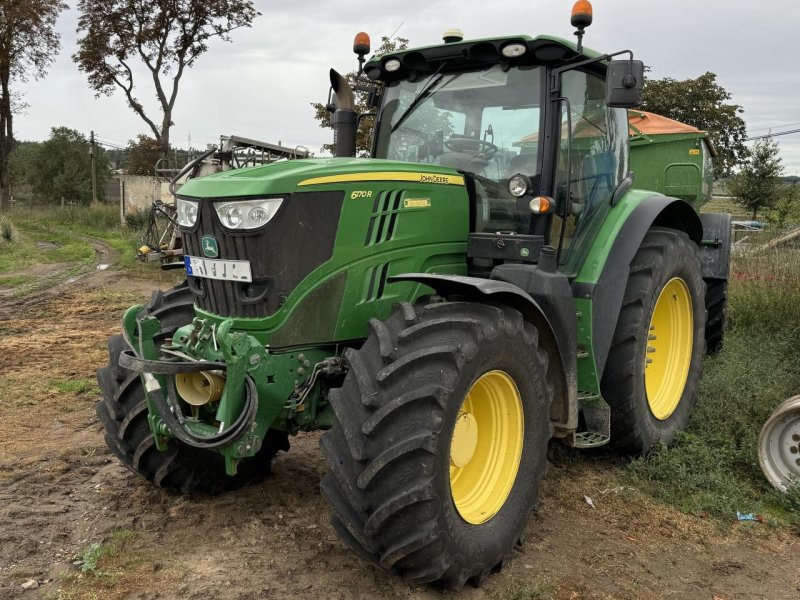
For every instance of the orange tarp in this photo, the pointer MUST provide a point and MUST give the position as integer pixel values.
(653, 124)
(640, 121)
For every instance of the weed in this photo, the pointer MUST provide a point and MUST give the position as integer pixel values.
(88, 560)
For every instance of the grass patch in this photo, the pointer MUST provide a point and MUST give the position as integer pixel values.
(44, 236)
(540, 588)
(102, 567)
(713, 467)
(77, 386)
(16, 280)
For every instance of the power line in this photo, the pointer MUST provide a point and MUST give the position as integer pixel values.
(108, 145)
(771, 135)
(773, 127)
(123, 141)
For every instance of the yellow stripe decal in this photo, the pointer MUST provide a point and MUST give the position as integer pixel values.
(437, 178)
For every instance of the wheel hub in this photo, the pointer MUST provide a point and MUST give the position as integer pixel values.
(465, 440)
(779, 446)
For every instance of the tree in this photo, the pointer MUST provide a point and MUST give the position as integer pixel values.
(167, 36)
(757, 184)
(61, 168)
(786, 208)
(702, 103)
(143, 154)
(28, 45)
(366, 126)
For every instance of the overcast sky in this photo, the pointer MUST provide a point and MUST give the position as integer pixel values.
(262, 84)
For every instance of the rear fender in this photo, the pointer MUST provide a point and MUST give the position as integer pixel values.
(563, 409)
(715, 249)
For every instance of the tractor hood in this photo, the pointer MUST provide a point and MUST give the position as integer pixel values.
(307, 174)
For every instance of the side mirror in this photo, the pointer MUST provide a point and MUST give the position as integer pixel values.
(624, 83)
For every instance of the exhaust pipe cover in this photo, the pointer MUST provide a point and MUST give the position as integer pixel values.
(345, 119)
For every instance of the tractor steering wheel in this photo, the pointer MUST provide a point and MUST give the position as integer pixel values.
(464, 143)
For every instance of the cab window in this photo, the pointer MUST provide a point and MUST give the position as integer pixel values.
(592, 161)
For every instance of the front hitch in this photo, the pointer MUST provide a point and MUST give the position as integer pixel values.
(233, 430)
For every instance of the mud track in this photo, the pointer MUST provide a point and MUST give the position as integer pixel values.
(61, 491)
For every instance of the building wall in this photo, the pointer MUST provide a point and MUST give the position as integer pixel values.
(137, 192)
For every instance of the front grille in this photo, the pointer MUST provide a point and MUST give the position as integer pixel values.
(298, 239)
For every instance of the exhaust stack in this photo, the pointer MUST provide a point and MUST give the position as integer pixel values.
(345, 119)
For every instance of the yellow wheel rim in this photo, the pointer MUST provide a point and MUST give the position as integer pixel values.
(486, 447)
(669, 348)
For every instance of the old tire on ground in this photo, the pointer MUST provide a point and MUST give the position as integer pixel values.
(123, 413)
(655, 361)
(439, 440)
(716, 306)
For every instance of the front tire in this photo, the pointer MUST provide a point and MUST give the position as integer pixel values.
(123, 413)
(655, 361)
(439, 441)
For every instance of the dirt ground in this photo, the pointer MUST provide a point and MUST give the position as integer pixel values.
(61, 491)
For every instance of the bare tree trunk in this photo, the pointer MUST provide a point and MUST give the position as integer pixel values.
(166, 123)
(6, 137)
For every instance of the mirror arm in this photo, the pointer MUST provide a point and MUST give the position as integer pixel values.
(557, 71)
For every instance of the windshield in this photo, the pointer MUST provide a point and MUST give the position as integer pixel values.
(482, 122)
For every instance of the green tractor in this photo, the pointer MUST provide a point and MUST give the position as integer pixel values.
(489, 280)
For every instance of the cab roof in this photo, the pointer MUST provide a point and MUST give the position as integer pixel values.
(465, 54)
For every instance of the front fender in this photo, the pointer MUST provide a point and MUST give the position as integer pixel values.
(564, 407)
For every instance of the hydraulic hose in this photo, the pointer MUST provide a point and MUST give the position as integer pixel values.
(171, 412)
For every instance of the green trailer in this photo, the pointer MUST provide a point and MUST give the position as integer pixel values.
(442, 311)
(671, 157)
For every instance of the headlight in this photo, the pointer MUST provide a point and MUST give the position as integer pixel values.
(187, 212)
(514, 50)
(519, 185)
(392, 65)
(247, 214)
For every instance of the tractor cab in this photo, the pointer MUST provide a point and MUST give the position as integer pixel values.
(530, 123)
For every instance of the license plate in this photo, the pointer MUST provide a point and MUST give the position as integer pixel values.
(211, 268)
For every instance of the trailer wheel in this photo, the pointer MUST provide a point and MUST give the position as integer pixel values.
(716, 306)
(655, 361)
(123, 413)
(439, 440)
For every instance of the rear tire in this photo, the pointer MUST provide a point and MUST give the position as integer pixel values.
(123, 413)
(391, 452)
(638, 422)
(717, 307)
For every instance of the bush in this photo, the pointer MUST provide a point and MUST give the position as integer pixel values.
(7, 231)
(137, 219)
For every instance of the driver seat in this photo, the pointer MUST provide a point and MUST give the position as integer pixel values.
(522, 163)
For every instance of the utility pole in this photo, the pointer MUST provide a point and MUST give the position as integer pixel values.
(94, 172)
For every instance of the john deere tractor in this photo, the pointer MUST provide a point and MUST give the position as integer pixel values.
(488, 280)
